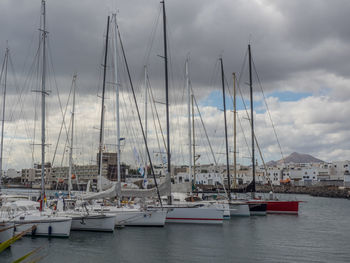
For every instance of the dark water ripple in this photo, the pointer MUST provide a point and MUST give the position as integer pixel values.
(319, 234)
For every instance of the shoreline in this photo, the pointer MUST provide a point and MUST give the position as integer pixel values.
(319, 191)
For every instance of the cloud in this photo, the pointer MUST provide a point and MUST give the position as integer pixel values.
(297, 46)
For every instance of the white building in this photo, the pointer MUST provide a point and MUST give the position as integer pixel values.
(338, 169)
(274, 174)
(11, 173)
(201, 178)
(302, 174)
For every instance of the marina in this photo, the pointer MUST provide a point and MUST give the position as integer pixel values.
(318, 234)
(169, 165)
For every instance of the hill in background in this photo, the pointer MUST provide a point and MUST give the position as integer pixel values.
(297, 158)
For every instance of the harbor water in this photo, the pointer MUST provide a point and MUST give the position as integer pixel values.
(320, 233)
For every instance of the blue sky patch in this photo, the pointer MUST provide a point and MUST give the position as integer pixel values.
(289, 95)
(214, 99)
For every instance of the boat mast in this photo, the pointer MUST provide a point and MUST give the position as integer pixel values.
(189, 120)
(226, 142)
(194, 145)
(252, 118)
(3, 71)
(115, 47)
(103, 109)
(139, 117)
(71, 140)
(234, 132)
(146, 95)
(43, 94)
(166, 96)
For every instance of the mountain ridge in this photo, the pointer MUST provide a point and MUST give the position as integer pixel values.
(297, 158)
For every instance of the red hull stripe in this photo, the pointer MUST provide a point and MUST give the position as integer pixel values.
(186, 218)
(283, 206)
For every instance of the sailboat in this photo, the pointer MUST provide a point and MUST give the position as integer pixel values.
(124, 215)
(256, 207)
(82, 219)
(183, 212)
(24, 214)
(6, 229)
(237, 208)
(272, 206)
(219, 205)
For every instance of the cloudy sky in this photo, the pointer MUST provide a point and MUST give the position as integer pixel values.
(300, 51)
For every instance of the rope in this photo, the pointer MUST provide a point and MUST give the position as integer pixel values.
(268, 111)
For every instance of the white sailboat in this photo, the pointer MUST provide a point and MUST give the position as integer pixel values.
(236, 208)
(82, 219)
(124, 216)
(134, 215)
(24, 214)
(182, 212)
(46, 224)
(229, 207)
(85, 220)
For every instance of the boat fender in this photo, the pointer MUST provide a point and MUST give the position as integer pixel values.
(50, 230)
(33, 231)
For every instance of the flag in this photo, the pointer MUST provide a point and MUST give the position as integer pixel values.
(141, 171)
(145, 183)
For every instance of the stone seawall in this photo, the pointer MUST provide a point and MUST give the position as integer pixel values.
(322, 191)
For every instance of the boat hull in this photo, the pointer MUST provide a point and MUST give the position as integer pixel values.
(257, 208)
(239, 209)
(283, 207)
(103, 223)
(135, 217)
(50, 226)
(224, 206)
(194, 215)
(140, 218)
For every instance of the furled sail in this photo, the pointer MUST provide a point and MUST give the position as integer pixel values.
(164, 189)
(109, 193)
